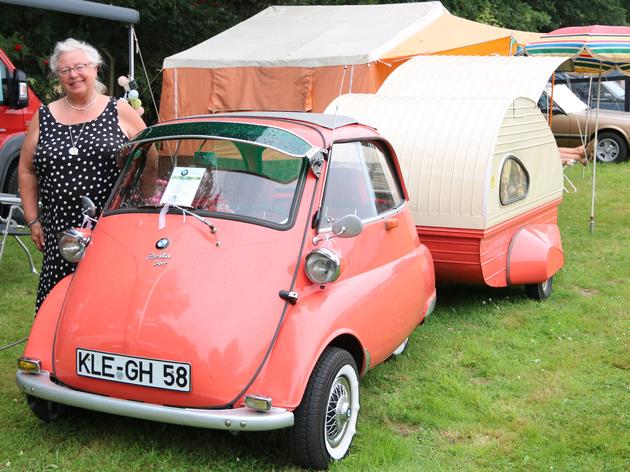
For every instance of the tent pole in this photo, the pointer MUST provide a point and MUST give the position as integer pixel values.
(599, 89)
(553, 83)
(131, 52)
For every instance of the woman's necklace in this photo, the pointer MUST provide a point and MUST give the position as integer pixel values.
(73, 149)
(85, 107)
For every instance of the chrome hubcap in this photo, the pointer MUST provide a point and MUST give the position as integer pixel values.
(607, 150)
(338, 411)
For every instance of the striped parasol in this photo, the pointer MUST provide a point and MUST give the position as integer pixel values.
(594, 50)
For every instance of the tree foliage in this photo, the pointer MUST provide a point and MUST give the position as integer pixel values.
(170, 26)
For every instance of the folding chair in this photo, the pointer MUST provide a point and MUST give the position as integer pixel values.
(10, 227)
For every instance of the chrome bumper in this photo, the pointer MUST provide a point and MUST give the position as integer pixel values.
(237, 419)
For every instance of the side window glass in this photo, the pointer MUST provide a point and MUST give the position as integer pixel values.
(514, 181)
(360, 182)
(387, 193)
(3, 82)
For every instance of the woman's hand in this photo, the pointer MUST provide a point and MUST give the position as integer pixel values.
(37, 235)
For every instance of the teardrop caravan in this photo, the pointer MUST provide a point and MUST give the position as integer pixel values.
(484, 178)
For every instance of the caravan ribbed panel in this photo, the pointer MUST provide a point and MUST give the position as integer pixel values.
(526, 135)
(444, 148)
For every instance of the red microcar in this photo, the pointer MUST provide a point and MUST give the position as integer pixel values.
(245, 272)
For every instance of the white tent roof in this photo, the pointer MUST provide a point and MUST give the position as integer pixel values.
(311, 36)
(471, 76)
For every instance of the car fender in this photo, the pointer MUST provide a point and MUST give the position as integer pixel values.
(41, 339)
(288, 369)
(535, 254)
(614, 129)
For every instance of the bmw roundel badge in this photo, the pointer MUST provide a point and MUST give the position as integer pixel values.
(162, 243)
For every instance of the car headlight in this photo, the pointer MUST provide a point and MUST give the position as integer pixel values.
(72, 244)
(323, 266)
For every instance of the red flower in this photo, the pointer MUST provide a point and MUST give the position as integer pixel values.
(17, 47)
(45, 62)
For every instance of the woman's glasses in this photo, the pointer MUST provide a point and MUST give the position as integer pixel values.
(79, 68)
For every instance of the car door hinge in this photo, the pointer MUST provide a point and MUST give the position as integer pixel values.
(291, 297)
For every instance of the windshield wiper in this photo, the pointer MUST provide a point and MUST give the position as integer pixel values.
(186, 210)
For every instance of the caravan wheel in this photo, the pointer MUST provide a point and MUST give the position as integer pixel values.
(540, 291)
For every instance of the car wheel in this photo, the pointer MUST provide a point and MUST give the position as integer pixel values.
(325, 421)
(400, 349)
(611, 147)
(45, 410)
(540, 291)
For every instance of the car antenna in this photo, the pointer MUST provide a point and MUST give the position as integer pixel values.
(332, 134)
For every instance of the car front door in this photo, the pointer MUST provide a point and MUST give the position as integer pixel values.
(362, 180)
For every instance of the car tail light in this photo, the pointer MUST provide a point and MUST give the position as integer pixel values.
(72, 243)
(323, 266)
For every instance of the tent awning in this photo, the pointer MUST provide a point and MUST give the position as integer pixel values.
(452, 32)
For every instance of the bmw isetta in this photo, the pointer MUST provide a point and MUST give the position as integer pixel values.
(245, 267)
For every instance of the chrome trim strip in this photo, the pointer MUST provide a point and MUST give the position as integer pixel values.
(236, 419)
(366, 221)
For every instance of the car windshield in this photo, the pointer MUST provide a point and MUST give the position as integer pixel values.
(237, 180)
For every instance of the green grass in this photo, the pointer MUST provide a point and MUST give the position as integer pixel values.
(493, 381)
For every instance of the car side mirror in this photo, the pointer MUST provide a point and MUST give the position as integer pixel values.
(88, 207)
(17, 90)
(347, 226)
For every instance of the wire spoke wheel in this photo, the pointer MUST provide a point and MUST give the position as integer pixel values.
(338, 411)
(325, 421)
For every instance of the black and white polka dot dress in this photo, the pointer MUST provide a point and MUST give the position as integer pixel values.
(64, 175)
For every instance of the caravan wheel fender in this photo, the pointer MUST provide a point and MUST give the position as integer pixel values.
(535, 254)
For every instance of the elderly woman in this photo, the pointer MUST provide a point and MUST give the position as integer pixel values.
(69, 151)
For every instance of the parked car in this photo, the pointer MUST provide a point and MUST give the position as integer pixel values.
(573, 124)
(612, 94)
(245, 272)
(18, 104)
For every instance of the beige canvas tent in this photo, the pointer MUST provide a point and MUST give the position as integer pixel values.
(296, 57)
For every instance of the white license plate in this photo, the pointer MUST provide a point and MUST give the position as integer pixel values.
(134, 370)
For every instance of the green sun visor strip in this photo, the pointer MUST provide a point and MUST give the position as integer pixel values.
(266, 136)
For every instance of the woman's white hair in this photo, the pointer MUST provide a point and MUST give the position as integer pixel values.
(71, 44)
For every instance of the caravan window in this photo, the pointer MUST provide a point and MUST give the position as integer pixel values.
(514, 181)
